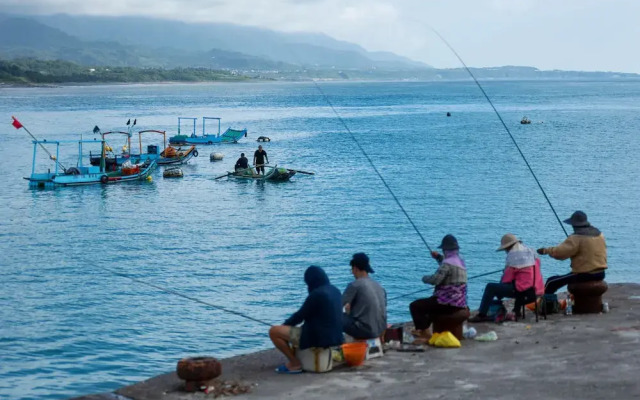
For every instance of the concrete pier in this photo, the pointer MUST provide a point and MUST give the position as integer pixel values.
(583, 357)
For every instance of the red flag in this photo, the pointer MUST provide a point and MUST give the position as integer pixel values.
(16, 123)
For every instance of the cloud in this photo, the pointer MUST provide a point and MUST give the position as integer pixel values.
(569, 34)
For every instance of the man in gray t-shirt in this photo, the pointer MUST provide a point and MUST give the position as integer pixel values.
(365, 302)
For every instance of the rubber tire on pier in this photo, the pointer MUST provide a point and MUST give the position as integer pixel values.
(104, 179)
(451, 322)
(198, 369)
(587, 296)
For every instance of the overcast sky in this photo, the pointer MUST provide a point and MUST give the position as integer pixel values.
(548, 34)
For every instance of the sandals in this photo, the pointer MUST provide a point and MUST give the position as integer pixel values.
(284, 370)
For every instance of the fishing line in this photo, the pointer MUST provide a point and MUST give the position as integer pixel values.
(346, 127)
(423, 289)
(503, 124)
(184, 296)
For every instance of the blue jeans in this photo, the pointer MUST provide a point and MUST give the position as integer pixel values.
(492, 290)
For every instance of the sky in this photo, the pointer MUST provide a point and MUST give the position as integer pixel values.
(591, 35)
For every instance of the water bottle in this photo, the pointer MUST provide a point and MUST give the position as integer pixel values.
(469, 333)
(568, 310)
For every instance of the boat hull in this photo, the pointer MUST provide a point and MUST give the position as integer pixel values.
(49, 180)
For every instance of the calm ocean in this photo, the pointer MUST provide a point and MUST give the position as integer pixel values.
(68, 327)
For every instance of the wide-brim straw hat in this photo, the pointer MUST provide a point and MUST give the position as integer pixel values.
(507, 241)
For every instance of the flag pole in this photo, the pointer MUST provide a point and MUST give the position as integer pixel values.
(17, 124)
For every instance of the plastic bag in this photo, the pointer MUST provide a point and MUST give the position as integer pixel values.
(444, 339)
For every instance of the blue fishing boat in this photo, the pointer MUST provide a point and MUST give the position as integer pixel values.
(229, 136)
(169, 156)
(80, 174)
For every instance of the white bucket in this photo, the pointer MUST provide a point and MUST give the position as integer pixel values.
(315, 359)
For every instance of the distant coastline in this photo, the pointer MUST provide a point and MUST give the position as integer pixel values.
(45, 73)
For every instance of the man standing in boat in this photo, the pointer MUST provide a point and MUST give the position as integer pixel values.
(242, 163)
(259, 158)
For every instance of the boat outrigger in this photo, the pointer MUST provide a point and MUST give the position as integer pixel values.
(81, 175)
(229, 136)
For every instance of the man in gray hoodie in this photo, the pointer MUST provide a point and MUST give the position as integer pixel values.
(365, 302)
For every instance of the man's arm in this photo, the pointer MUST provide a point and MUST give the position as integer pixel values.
(349, 294)
(564, 250)
(300, 315)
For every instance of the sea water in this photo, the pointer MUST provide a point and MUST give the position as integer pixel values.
(68, 326)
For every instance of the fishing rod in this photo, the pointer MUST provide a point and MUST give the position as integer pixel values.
(184, 296)
(506, 128)
(423, 289)
(17, 124)
(346, 127)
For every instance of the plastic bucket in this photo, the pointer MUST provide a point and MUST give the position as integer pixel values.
(354, 353)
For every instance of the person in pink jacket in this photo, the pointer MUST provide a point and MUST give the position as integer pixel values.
(522, 271)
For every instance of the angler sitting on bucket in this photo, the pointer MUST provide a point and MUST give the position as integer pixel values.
(587, 250)
(365, 302)
(522, 268)
(450, 293)
(321, 313)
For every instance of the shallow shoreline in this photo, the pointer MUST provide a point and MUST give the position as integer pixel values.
(591, 356)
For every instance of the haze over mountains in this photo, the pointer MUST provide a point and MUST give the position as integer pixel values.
(97, 44)
(146, 42)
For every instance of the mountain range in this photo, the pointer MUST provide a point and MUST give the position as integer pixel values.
(151, 43)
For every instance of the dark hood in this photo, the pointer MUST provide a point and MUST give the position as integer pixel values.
(586, 231)
(315, 277)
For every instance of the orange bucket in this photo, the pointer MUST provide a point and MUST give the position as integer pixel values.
(354, 353)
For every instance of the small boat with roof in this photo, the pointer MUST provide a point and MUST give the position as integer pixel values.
(80, 174)
(229, 136)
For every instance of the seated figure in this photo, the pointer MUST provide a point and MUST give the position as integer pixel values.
(321, 313)
(450, 292)
(522, 271)
(587, 250)
(365, 302)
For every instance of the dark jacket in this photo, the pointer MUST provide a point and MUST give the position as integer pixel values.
(321, 312)
(242, 163)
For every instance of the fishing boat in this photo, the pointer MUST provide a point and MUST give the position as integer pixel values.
(169, 156)
(525, 121)
(229, 136)
(274, 173)
(112, 159)
(81, 175)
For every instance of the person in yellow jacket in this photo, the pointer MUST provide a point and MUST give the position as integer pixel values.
(587, 250)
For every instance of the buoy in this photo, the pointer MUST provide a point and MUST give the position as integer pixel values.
(174, 172)
(149, 178)
(216, 157)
